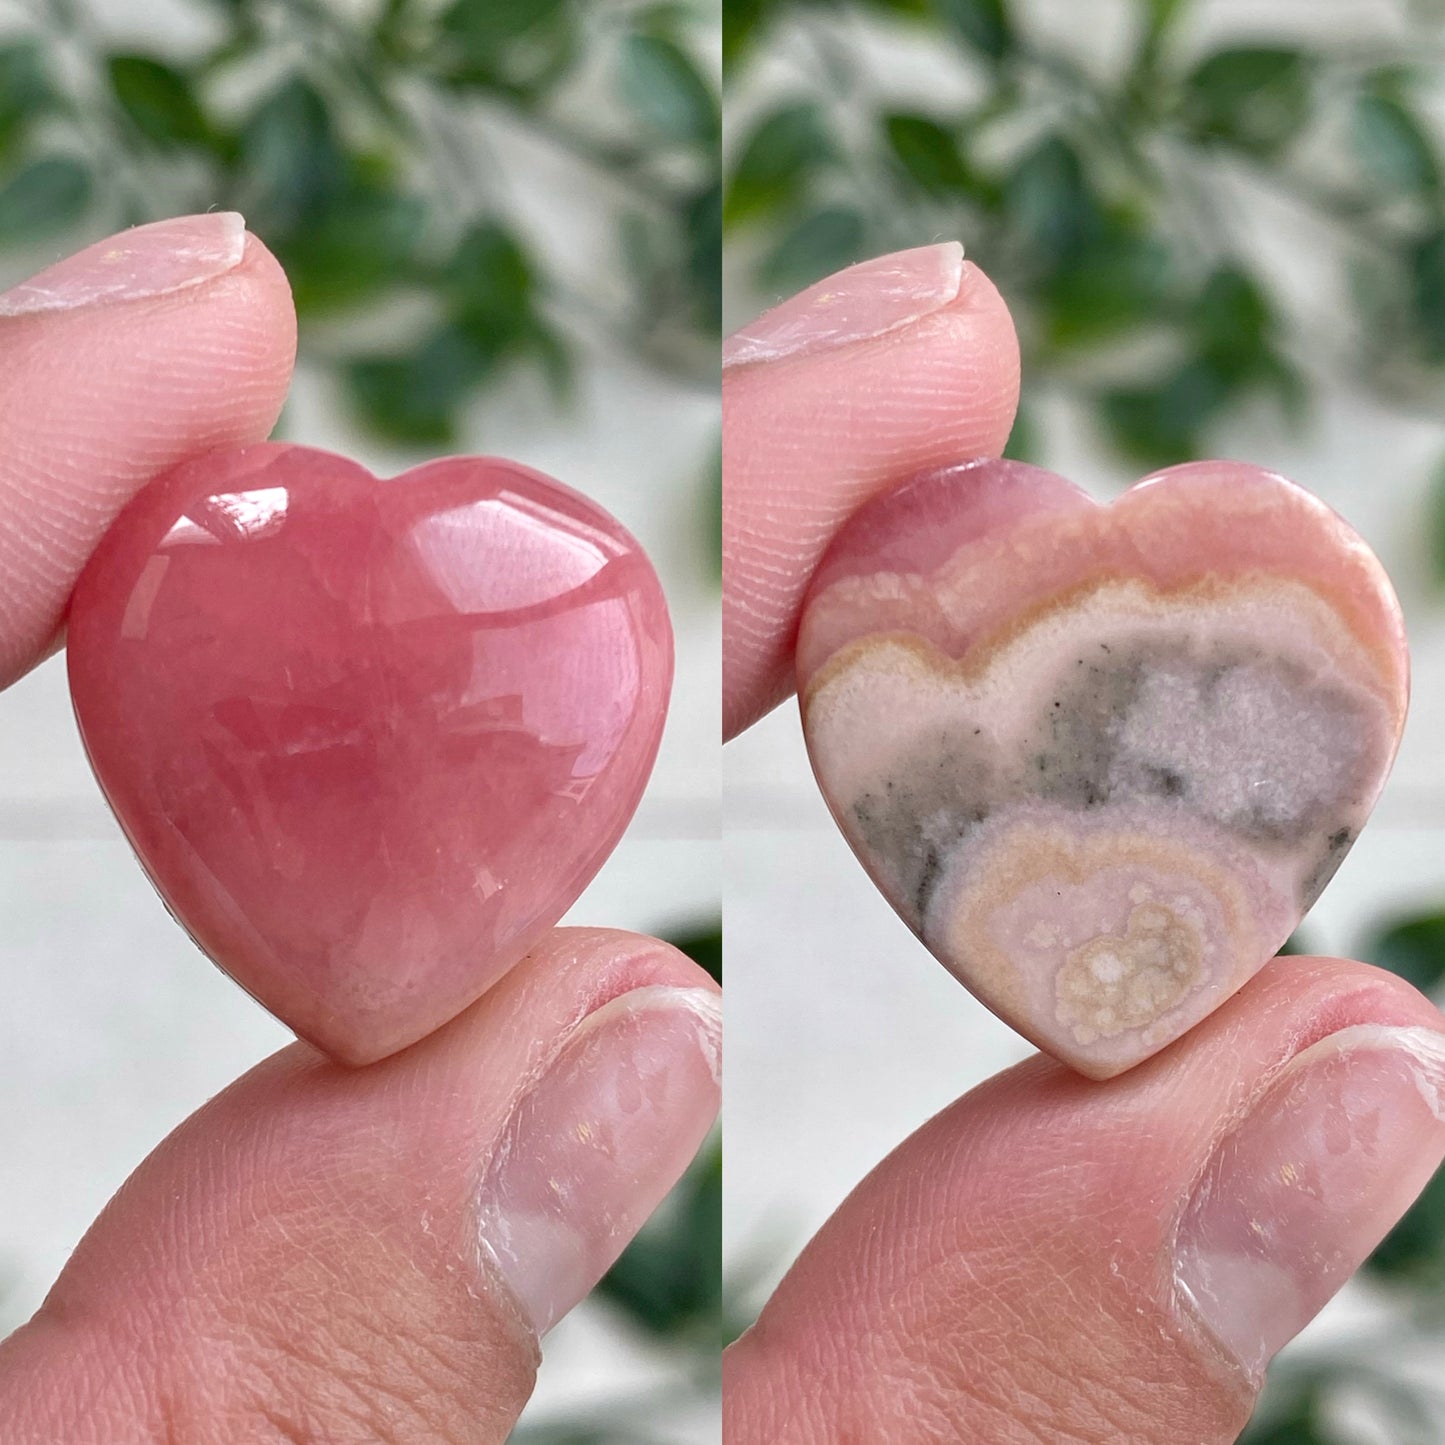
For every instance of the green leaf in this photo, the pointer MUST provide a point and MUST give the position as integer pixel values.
(670, 1277)
(1289, 1405)
(928, 153)
(703, 945)
(1414, 948)
(549, 348)
(1163, 14)
(1296, 943)
(702, 231)
(43, 199)
(1392, 145)
(511, 47)
(24, 83)
(666, 90)
(1159, 424)
(742, 20)
(1426, 263)
(1119, 282)
(1279, 376)
(489, 283)
(784, 148)
(1415, 1247)
(1023, 440)
(481, 25)
(359, 247)
(158, 99)
(1233, 323)
(1142, 88)
(292, 164)
(823, 241)
(415, 397)
(1296, 1430)
(1231, 306)
(1254, 97)
(1049, 203)
(983, 24)
(25, 90)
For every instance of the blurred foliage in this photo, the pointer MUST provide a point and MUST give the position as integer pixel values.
(363, 143)
(1302, 1405)
(1112, 204)
(704, 946)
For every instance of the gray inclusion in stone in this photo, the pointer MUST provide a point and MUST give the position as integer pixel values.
(943, 789)
(1220, 729)
(1248, 740)
(1332, 855)
(1072, 755)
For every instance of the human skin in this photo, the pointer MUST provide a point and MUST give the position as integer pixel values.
(1049, 1258)
(321, 1253)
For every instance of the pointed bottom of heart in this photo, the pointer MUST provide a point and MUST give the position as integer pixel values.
(1103, 943)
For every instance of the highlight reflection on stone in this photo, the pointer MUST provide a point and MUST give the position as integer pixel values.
(369, 738)
(1101, 759)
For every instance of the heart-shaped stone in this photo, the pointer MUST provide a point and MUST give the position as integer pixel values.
(370, 738)
(1101, 759)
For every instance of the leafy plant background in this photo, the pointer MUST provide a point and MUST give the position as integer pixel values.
(356, 140)
(367, 143)
(1121, 196)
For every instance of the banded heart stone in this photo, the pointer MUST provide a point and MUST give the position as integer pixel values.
(1101, 759)
(369, 738)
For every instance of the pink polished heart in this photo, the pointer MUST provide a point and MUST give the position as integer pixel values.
(370, 738)
(1101, 759)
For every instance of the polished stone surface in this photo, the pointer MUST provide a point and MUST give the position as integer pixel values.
(1101, 759)
(370, 738)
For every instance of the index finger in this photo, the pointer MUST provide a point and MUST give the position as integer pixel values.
(116, 363)
(892, 367)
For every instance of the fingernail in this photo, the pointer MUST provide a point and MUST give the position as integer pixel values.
(867, 300)
(594, 1145)
(1300, 1192)
(151, 260)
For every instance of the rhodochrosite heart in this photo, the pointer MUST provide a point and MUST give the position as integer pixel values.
(1101, 759)
(370, 738)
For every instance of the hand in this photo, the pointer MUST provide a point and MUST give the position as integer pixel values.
(1049, 1259)
(319, 1253)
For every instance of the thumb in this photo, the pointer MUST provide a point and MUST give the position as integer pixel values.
(368, 1255)
(1054, 1259)
(890, 368)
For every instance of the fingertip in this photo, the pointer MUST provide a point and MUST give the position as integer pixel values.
(263, 290)
(99, 396)
(811, 436)
(594, 967)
